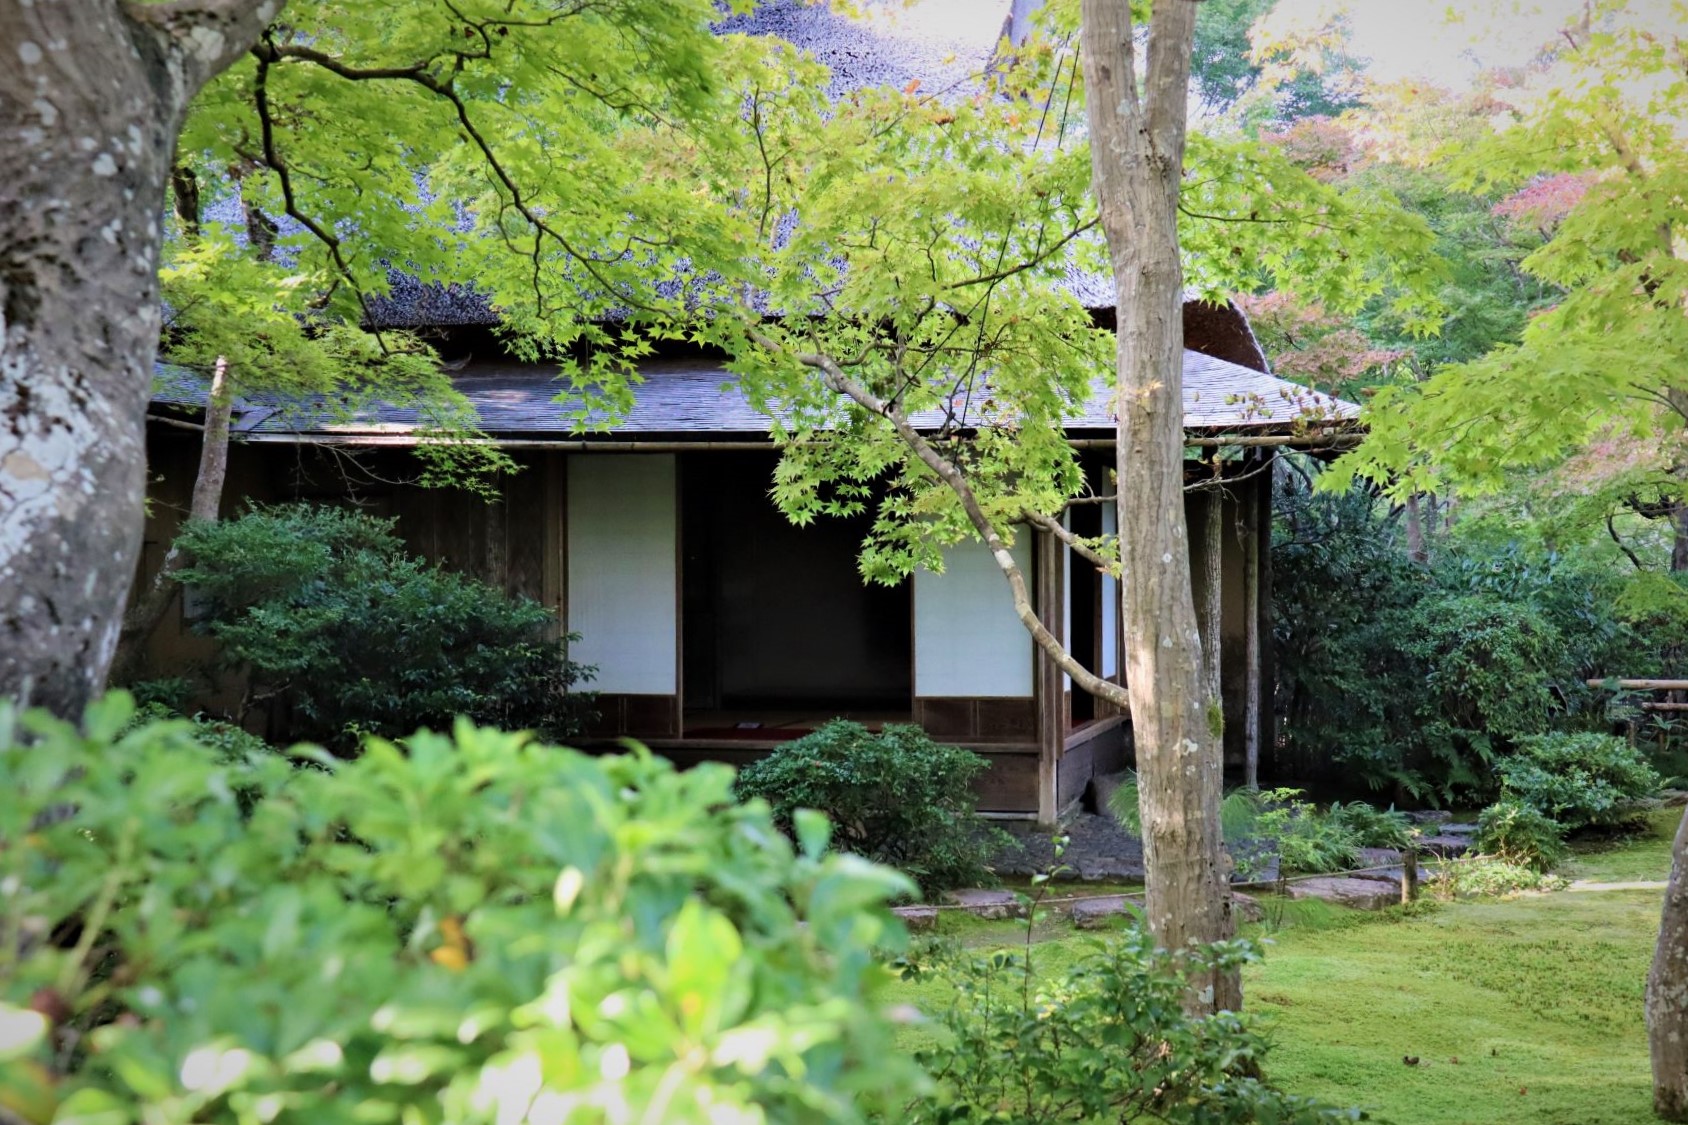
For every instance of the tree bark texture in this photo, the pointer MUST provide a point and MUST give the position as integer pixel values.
(1416, 550)
(1137, 153)
(92, 96)
(1667, 992)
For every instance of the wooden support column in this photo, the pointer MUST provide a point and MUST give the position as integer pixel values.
(1267, 677)
(554, 547)
(1252, 687)
(495, 564)
(1050, 686)
(1212, 598)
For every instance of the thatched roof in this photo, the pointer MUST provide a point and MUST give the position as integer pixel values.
(700, 399)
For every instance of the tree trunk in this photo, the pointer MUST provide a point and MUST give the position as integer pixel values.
(1679, 538)
(1415, 532)
(143, 617)
(1137, 153)
(92, 95)
(1667, 992)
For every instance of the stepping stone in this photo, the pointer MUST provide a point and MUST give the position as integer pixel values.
(1457, 829)
(1446, 845)
(1361, 894)
(1094, 913)
(918, 919)
(1107, 867)
(1246, 908)
(1430, 816)
(1385, 863)
(1378, 857)
(990, 905)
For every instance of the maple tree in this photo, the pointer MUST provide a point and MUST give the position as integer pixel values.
(898, 277)
(1587, 148)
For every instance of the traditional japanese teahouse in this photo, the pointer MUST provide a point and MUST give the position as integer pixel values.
(717, 628)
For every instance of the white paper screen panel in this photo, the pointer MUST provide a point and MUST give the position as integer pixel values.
(1110, 603)
(967, 640)
(621, 570)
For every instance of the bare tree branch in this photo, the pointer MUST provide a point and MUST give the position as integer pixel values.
(1612, 530)
(1081, 546)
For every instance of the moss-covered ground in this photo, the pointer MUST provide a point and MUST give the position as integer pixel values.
(1519, 1010)
(1631, 858)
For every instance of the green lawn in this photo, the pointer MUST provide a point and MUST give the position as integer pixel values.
(1646, 856)
(1525, 1010)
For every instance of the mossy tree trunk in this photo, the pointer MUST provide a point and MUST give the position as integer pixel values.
(1137, 153)
(92, 96)
(1667, 991)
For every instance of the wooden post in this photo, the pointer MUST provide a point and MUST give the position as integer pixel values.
(554, 561)
(495, 566)
(1409, 873)
(1263, 610)
(1251, 637)
(1050, 689)
(1212, 595)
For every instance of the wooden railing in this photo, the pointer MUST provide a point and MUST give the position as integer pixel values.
(1648, 685)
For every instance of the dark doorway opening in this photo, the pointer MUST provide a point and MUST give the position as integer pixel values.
(777, 617)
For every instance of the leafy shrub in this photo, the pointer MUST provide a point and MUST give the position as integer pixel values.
(1520, 834)
(1307, 840)
(474, 928)
(895, 797)
(1419, 677)
(172, 693)
(1104, 1040)
(1485, 876)
(1259, 824)
(322, 606)
(1372, 827)
(1346, 692)
(232, 743)
(1579, 780)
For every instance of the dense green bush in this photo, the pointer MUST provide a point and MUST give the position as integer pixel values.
(475, 928)
(895, 797)
(1489, 680)
(323, 607)
(1520, 834)
(1104, 1040)
(1579, 780)
(1418, 677)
